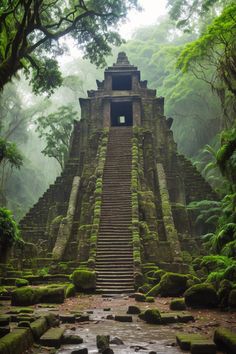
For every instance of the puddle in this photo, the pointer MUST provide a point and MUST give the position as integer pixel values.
(137, 336)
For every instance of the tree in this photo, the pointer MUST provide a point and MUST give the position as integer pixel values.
(30, 31)
(193, 15)
(56, 129)
(9, 233)
(212, 57)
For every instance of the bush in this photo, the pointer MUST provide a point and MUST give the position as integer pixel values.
(9, 232)
(84, 280)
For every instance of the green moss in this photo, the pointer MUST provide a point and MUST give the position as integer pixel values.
(171, 284)
(21, 282)
(84, 280)
(38, 327)
(152, 316)
(225, 340)
(201, 296)
(70, 291)
(16, 342)
(177, 304)
(33, 295)
(150, 299)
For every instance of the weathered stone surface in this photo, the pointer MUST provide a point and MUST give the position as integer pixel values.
(52, 338)
(16, 342)
(184, 340)
(133, 310)
(201, 296)
(123, 318)
(152, 316)
(139, 297)
(102, 342)
(39, 327)
(177, 305)
(203, 346)
(225, 339)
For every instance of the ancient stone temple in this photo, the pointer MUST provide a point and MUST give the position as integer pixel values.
(121, 200)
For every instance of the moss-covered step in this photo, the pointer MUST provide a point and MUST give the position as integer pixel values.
(39, 327)
(53, 337)
(203, 346)
(184, 339)
(16, 342)
(225, 339)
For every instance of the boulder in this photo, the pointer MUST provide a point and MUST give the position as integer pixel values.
(84, 280)
(152, 316)
(133, 310)
(102, 342)
(171, 284)
(201, 296)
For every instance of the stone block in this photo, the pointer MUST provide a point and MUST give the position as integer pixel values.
(123, 318)
(4, 320)
(184, 340)
(39, 327)
(203, 346)
(225, 339)
(52, 338)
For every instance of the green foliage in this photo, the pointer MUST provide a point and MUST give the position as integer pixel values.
(190, 102)
(9, 232)
(56, 129)
(212, 56)
(10, 154)
(30, 33)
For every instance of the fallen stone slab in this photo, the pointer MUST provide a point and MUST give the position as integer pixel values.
(123, 318)
(39, 327)
(203, 346)
(184, 340)
(52, 338)
(167, 318)
(71, 339)
(16, 342)
(67, 318)
(185, 317)
(225, 339)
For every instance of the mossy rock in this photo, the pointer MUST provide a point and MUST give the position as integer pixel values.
(150, 299)
(171, 284)
(139, 297)
(21, 282)
(84, 280)
(70, 291)
(225, 340)
(201, 296)
(16, 342)
(145, 288)
(178, 304)
(26, 296)
(151, 316)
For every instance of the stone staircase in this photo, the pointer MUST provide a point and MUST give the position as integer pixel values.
(114, 261)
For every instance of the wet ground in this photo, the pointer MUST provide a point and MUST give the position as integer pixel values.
(137, 337)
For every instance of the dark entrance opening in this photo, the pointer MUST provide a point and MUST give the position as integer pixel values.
(121, 114)
(122, 82)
